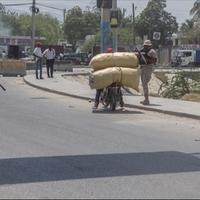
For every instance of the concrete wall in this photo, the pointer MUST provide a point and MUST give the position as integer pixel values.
(58, 66)
(11, 67)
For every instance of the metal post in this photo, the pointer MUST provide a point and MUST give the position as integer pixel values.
(105, 28)
(64, 14)
(133, 7)
(114, 30)
(33, 25)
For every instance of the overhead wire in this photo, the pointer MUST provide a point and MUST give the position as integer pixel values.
(17, 4)
(43, 5)
(90, 2)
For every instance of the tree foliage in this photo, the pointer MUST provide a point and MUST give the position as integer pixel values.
(195, 11)
(189, 32)
(154, 18)
(88, 44)
(46, 25)
(190, 29)
(80, 23)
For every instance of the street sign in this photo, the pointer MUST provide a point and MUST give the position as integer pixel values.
(34, 9)
(114, 17)
(156, 35)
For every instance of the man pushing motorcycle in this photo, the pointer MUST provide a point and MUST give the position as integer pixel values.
(100, 91)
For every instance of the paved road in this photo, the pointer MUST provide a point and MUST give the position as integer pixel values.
(54, 147)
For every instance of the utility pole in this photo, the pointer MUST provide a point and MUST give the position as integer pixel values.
(33, 25)
(105, 27)
(114, 30)
(64, 14)
(133, 10)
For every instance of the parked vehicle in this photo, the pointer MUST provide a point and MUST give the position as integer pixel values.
(70, 57)
(77, 58)
(186, 58)
(112, 97)
(83, 57)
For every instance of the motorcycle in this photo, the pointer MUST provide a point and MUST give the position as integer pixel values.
(112, 96)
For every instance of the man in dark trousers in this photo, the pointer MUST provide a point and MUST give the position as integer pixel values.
(49, 54)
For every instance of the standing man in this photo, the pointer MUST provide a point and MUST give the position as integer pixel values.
(50, 55)
(38, 58)
(148, 60)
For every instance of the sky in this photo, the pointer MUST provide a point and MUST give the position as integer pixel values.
(179, 8)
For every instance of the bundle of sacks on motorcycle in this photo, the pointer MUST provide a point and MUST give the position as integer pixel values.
(118, 67)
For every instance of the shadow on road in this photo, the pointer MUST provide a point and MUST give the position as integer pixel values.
(119, 111)
(43, 169)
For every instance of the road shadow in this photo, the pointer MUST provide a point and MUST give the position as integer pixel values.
(151, 104)
(57, 168)
(118, 111)
(39, 98)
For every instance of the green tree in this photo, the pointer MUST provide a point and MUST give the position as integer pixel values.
(195, 11)
(46, 25)
(9, 19)
(187, 31)
(154, 18)
(88, 45)
(190, 30)
(78, 24)
(125, 34)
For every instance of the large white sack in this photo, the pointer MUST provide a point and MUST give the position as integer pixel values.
(105, 77)
(130, 78)
(117, 59)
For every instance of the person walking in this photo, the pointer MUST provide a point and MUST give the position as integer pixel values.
(50, 55)
(38, 58)
(148, 60)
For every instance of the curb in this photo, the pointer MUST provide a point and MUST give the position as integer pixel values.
(178, 114)
(55, 91)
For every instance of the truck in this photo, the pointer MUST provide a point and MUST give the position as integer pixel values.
(186, 58)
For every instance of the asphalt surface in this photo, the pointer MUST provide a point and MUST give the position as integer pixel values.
(54, 146)
(76, 85)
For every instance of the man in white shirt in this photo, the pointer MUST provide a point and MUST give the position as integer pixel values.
(38, 58)
(50, 55)
(3, 54)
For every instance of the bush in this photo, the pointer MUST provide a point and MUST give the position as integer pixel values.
(175, 88)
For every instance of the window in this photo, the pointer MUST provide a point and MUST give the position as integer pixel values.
(187, 54)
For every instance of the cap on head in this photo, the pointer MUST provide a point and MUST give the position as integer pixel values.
(147, 43)
(109, 50)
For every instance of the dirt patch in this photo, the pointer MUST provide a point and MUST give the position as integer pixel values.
(191, 97)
